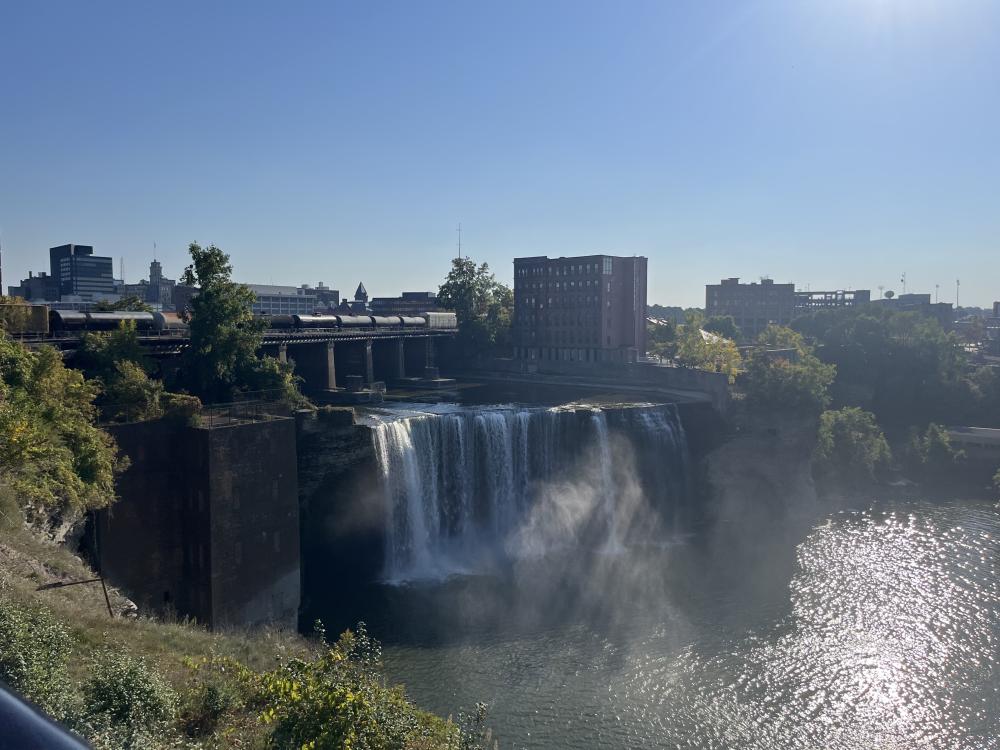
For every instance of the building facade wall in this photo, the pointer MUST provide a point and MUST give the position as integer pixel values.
(752, 306)
(580, 309)
(207, 523)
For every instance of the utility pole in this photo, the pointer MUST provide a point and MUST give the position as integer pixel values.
(936, 287)
(459, 240)
(958, 285)
(903, 281)
(880, 288)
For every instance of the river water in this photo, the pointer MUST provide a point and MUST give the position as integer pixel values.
(869, 628)
(537, 560)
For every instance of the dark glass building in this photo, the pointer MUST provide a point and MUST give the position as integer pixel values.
(77, 271)
(590, 308)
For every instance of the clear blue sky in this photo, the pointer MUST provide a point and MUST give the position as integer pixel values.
(832, 143)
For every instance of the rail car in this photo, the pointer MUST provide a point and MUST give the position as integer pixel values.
(63, 321)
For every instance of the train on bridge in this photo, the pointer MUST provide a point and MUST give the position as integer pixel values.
(40, 321)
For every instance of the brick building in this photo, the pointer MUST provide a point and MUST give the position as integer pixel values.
(590, 308)
(753, 306)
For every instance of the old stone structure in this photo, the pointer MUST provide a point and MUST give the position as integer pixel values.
(207, 524)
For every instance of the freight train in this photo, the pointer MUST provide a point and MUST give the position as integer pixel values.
(43, 321)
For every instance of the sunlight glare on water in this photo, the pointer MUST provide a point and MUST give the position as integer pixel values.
(883, 635)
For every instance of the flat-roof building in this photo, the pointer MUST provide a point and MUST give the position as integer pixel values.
(589, 308)
(752, 306)
(408, 303)
(273, 299)
(79, 272)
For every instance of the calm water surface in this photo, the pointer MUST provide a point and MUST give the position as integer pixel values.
(871, 628)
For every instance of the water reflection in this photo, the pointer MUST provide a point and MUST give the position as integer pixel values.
(867, 629)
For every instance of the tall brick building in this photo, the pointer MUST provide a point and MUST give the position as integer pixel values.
(590, 308)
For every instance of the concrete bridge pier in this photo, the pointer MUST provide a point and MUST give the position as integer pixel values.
(315, 363)
(430, 368)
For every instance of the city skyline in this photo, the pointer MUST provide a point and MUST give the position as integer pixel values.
(832, 145)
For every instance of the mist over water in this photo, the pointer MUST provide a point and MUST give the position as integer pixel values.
(470, 488)
(593, 624)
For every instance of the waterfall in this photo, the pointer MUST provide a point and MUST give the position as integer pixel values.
(475, 485)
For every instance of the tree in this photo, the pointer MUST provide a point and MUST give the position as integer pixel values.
(785, 376)
(930, 456)
(51, 453)
(706, 351)
(131, 303)
(222, 358)
(661, 337)
(483, 305)
(723, 325)
(851, 447)
(903, 367)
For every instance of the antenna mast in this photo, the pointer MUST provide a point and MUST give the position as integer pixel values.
(460, 240)
(903, 281)
(958, 284)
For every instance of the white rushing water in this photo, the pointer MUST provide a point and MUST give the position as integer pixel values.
(473, 486)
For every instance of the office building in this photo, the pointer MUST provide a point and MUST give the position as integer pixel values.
(272, 299)
(78, 272)
(38, 287)
(584, 309)
(752, 306)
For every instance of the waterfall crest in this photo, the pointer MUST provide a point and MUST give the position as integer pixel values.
(475, 486)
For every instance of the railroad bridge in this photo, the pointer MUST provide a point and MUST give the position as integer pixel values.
(328, 360)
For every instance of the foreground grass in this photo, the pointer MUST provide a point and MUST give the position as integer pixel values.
(145, 682)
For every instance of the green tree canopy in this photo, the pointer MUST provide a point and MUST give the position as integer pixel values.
(704, 351)
(723, 325)
(131, 303)
(222, 359)
(661, 337)
(903, 367)
(785, 376)
(851, 447)
(484, 306)
(51, 453)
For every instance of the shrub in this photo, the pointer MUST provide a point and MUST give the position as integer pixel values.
(205, 705)
(850, 447)
(340, 700)
(181, 407)
(125, 701)
(34, 648)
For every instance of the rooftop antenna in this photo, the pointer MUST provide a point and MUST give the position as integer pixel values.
(121, 267)
(936, 287)
(903, 281)
(880, 288)
(459, 240)
(958, 284)
(154, 249)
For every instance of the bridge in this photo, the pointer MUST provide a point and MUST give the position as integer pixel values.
(328, 360)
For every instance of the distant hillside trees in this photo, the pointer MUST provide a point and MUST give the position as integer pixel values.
(484, 307)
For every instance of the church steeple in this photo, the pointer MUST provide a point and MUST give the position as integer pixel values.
(362, 294)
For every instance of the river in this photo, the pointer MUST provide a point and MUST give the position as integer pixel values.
(875, 626)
